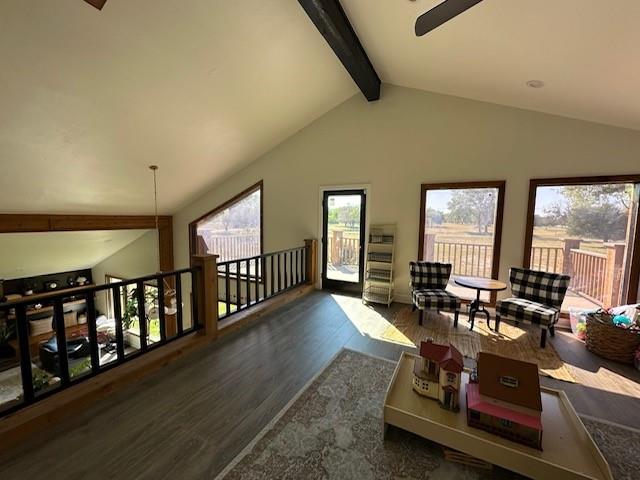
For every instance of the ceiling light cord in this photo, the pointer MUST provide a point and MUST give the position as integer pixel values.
(154, 169)
(169, 292)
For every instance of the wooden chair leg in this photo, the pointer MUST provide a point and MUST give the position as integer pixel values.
(552, 330)
(413, 307)
(455, 319)
(543, 338)
(497, 323)
(420, 316)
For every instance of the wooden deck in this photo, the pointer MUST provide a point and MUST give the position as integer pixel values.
(192, 417)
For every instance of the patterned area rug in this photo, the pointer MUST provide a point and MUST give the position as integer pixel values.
(515, 342)
(333, 430)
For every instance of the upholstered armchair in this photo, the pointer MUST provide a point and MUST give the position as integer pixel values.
(428, 281)
(537, 300)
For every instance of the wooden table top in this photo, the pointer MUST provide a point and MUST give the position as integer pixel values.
(480, 283)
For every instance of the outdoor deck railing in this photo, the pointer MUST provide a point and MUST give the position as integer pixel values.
(234, 246)
(588, 274)
(343, 250)
(95, 339)
(245, 282)
(547, 259)
(594, 275)
(471, 259)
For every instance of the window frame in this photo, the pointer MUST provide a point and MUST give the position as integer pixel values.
(534, 183)
(193, 226)
(500, 185)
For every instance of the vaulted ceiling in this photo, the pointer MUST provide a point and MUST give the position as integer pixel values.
(88, 98)
(585, 51)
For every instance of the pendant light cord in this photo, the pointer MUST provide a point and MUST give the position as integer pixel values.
(154, 169)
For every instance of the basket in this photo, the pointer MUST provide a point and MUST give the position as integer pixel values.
(609, 341)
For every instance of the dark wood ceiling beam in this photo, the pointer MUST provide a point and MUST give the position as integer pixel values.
(96, 3)
(330, 19)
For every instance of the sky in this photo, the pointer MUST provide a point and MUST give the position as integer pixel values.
(545, 197)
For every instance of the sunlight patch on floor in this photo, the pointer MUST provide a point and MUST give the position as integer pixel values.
(369, 322)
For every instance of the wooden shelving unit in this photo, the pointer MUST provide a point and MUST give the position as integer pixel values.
(378, 276)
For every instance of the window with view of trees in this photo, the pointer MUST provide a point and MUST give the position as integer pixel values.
(461, 224)
(586, 228)
(233, 230)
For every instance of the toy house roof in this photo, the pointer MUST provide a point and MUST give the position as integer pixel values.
(447, 356)
(493, 368)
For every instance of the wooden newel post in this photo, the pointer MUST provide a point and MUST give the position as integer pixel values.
(613, 274)
(569, 244)
(206, 293)
(312, 260)
(429, 249)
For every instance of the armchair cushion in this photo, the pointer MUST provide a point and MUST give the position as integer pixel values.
(546, 288)
(429, 275)
(524, 310)
(436, 299)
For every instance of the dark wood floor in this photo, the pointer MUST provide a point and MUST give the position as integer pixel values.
(190, 419)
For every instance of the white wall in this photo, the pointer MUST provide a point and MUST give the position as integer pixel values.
(137, 259)
(411, 137)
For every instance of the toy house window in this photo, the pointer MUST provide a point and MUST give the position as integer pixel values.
(432, 367)
(508, 381)
(451, 377)
(506, 423)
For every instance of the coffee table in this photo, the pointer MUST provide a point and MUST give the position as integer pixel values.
(480, 285)
(568, 452)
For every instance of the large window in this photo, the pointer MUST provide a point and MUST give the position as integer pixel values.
(587, 228)
(461, 224)
(232, 230)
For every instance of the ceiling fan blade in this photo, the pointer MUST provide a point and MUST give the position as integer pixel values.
(96, 3)
(442, 13)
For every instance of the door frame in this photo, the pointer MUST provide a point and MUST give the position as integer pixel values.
(366, 187)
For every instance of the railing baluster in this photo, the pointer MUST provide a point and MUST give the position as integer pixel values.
(271, 273)
(286, 272)
(142, 315)
(117, 312)
(179, 319)
(279, 276)
(161, 317)
(25, 353)
(61, 340)
(304, 264)
(238, 288)
(227, 288)
(248, 286)
(93, 333)
(295, 267)
(257, 283)
(194, 300)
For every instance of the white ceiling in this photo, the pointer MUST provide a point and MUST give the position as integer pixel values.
(31, 254)
(88, 98)
(586, 52)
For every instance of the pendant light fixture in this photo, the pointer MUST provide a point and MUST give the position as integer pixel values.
(169, 292)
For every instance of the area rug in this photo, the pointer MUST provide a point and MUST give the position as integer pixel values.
(333, 430)
(514, 342)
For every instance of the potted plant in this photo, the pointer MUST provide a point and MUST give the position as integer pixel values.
(6, 332)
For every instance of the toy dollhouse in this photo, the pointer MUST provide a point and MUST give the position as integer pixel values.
(437, 374)
(505, 399)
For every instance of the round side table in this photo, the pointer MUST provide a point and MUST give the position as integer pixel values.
(479, 284)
